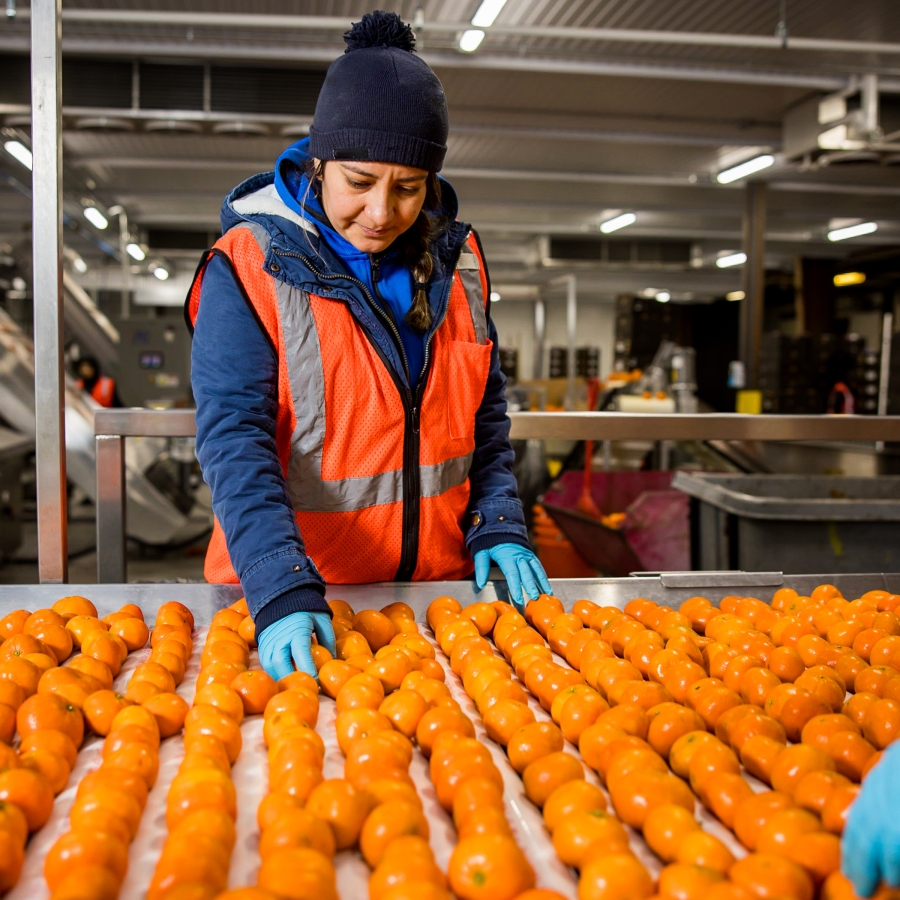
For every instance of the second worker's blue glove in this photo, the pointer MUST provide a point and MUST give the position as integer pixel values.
(289, 639)
(520, 567)
(870, 846)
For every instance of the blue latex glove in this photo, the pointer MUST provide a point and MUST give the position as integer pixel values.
(870, 846)
(289, 639)
(520, 567)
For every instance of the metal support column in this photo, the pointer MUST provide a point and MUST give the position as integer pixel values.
(110, 509)
(571, 326)
(49, 381)
(540, 331)
(753, 305)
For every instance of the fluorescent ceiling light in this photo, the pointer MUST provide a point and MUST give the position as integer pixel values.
(844, 279)
(494, 296)
(663, 296)
(735, 295)
(732, 259)
(19, 151)
(618, 222)
(135, 251)
(745, 168)
(79, 265)
(471, 40)
(487, 13)
(841, 234)
(95, 217)
(161, 273)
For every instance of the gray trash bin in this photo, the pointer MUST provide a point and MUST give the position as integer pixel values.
(797, 524)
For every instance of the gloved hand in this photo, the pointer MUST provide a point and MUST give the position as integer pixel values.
(520, 567)
(289, 638)
(870, 846)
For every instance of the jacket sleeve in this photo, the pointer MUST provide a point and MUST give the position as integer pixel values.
(496, 515)
(234, 375)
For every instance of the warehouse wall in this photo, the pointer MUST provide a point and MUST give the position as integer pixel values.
(515, 325)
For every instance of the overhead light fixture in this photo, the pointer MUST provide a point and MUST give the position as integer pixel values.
(161, 272)
(487, 13)
(731, 259)
(79, 265)
(471, 40)
(96, 218)
(852, 231)
(845, 279)
(618, 222)
(17, 150)
(494, 296)
(663, 296)
(735, 295)
(757, 164)
(135, 251)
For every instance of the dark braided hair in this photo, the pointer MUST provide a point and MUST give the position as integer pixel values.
(417, 241)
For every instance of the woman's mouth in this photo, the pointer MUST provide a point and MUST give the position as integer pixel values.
(373, 232)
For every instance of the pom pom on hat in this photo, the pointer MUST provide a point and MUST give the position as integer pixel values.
(380, 29)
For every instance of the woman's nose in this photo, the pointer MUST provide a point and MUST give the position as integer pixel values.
(379, 208)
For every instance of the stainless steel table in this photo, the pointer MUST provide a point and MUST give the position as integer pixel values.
(670, 589)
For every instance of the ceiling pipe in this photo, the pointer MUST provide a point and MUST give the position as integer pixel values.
(200, 50)
(339, 23)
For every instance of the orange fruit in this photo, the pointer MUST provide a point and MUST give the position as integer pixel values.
(80, 626)
(12, 857)
(29, 791)
(475, 793)
(106, 647)
(133, 632)
(173, 612)
(688, 881)
(138, 759)
(353, 724)
(505, 718)
(42, 711)
(76, 849)
(837, 806)
(54, 742)
(785, 826)
(707, 761)
(700, 848)
(635, 794)
(723, 793)
(813, 790)
(337, 802)
(818, 852)
(298, 873)
(616, 876)
(375, 627)
(490, 867)
(765, 876)
(441, 720)
(794, 763)
(295, 827)
(13, 623)
(225, 699)
(54, 768)
(668, 722)
(584, 831)
(205, 719)
(100, 819)
(666, 827)
(543, 776)
(404, 709)
(387, 822)
(532, 742)
(274, 805)
(255, 688)
(199, 789)
(169, 710)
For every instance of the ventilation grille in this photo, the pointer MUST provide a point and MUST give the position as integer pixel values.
(171, 87)
(644, 252)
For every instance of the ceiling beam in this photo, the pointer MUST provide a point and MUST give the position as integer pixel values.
(339, 24)
(220, 51)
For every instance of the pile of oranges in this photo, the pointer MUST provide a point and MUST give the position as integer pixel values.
(669, 708)
(618, 723)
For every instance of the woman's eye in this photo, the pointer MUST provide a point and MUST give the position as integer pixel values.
(409, 191)
(357, 184)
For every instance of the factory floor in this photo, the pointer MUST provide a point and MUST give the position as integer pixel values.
(145, 564)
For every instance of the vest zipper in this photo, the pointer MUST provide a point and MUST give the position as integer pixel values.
(409, 549)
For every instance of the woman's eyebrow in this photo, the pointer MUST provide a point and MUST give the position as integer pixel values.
(364, 174)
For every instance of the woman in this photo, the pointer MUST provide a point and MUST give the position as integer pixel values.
(351, 420)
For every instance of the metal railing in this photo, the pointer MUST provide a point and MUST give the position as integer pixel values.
(112, 426)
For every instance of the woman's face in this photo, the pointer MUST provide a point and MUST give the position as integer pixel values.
(371, 204)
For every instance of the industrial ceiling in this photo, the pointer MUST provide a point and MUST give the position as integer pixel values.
(568, 113)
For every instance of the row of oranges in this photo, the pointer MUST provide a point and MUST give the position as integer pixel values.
(47, 703)
(663, 712)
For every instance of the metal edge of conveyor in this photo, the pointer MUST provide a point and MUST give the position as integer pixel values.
(205, 599)
(151, 517)
(710, 489)
(93, 331)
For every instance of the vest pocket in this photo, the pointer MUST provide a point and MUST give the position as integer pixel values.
(467, 375)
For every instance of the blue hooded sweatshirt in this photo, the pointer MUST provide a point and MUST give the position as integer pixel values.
(234, 377)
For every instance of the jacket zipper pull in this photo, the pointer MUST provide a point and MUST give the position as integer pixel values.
(375, 262)
(415, 419)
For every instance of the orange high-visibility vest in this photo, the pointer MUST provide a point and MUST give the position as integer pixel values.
(378, 476)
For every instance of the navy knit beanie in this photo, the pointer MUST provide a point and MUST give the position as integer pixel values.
(380, 101)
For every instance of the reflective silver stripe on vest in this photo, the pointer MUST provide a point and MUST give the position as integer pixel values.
(309, 492)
